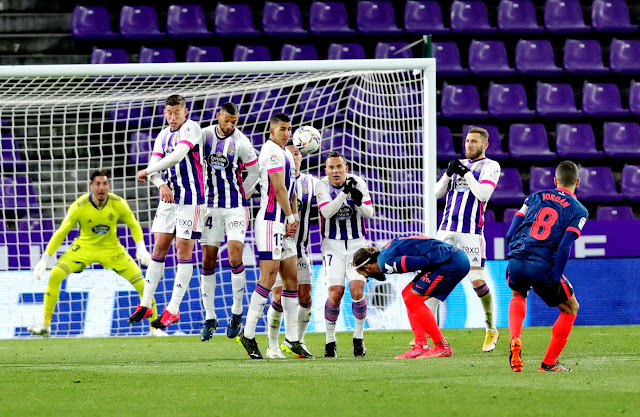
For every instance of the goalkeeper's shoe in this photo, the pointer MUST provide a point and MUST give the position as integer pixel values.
(208, 327)
(515, 356)
(165, 320)
(296, 349)
(40, 330)
(250, 345)
(157, 332)
(414, 352)
(275, 353)
(330, 350)
(140, 314)
(235, 324)
(358, 348)
(556, 367)
(490, 340)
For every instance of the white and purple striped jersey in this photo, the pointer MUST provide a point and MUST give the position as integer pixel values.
(273, 158)
(463, 212)
(347, 223)
(225, 158)
(306, 193)
(186, 178)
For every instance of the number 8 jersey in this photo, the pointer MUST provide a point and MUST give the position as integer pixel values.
(547, 215)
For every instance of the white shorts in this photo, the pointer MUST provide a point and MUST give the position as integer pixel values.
(337, 260)
(304, 272)
(180, 219)
(271, 242)
(472, 244)
(218, 220)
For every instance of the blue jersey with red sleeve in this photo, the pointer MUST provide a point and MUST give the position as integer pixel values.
(548, 215)
(413, 253)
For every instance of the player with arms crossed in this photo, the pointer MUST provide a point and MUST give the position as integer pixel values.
(305, 190)
(226, 153)
(468, 184)
(97, 213)
(539, 241)
(275, 226)
(344, 202)
(177, 149)
(439, 268)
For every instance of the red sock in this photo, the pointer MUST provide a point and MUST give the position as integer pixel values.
(419, 334)
(559, 335)
(517, 313)
(422, 316)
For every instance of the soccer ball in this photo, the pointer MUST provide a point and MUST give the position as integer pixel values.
(307, 139)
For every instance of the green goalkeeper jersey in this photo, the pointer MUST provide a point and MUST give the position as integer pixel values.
(97, 225)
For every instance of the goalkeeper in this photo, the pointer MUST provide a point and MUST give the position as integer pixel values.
(97, 213)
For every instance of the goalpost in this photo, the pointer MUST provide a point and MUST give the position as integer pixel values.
(60, 123)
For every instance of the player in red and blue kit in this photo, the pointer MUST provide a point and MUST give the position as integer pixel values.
(539, 240)
(439, 267)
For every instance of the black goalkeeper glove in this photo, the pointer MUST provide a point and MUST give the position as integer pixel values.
(451, 167)
(460, 169)
(348, 185)
(356, 195)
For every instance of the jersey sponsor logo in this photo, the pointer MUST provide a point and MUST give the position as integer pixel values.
(582, 222)
(218, 161)
(236, 224)
(100, 229)
(185, 222)
(461, 184)
(471, 250)
(117, 257)
(344, 213)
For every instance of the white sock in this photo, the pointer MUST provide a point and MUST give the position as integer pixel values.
(433, 304)
(151, 280)
(304, 315)
(237, 289)
(256, 309)
(360, 317)
(208, 290)
(180, 286)
(274, 321)
(289, 302)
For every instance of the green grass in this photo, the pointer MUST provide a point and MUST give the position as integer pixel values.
(181, 376)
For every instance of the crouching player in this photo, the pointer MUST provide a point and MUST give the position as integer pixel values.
(439, 268)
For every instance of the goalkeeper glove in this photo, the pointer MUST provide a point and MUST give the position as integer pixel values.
(41, 266)
(348, 186)
(460, 169)
(142, 254)
(451, 167)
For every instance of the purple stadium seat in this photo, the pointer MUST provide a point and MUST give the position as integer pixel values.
(624, 56)
(377, 18)
(489, 58)
(346, 51)
(509, 214)
(234, 20)
(276, 13)
(470, 17)
(251, 53)
(341, 140)
(634, 98)
(155, 55)
(329, 18)
(213, 103)
(18, 194)
(109, 56)
(139, 22)
(204, 54)
(614, 213)
(131, 113)
(140, 147)
(509, 188)
(389, 50)
(597, 185)
(360, 105)
(556, 100)
(508, 101)
(536, 58)
(564, 16)
(541, 179)
(91, 23)
(529, 142)
(423, 18)
(11, 160)
(517, 16)
(602, 100)
(448, 59)
(489, 217)
(444, 145)
(319, 103)
(621, 140)
(461, 101)
(265, 103)
(187, 21)
(611, 16)
(583, 57)
(494, 151)
(298, 52)
(631, 183)
(407, 102)
(32, 225)
(576, 141)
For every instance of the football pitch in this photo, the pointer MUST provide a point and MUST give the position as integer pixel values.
(181, 376)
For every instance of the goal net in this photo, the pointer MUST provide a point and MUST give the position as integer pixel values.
(60, 123)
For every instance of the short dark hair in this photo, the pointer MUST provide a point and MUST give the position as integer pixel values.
(99, 173)
(365, 256)
(279, 117)
(336, 154)
(230, 108)
(175, 100)
(484, 134)
(567, 173)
